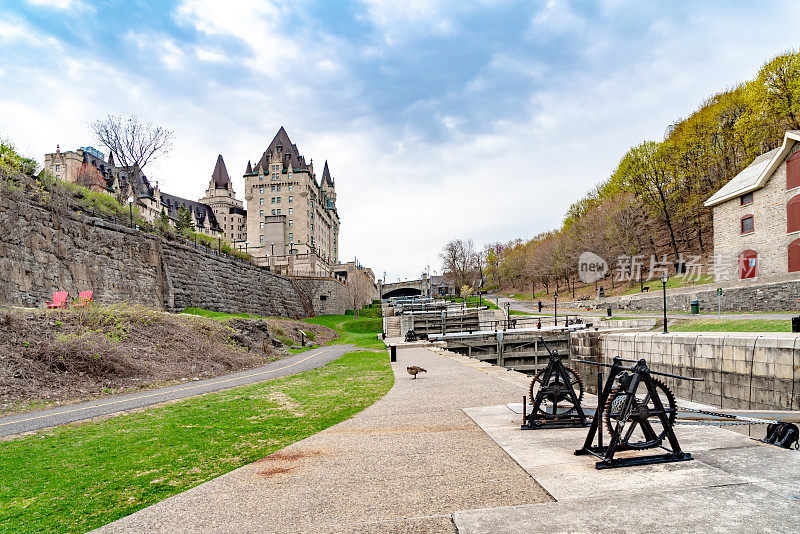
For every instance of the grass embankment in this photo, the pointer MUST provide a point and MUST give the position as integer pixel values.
(732, 325)
(80, 477)
(361, 332)
(219, 316)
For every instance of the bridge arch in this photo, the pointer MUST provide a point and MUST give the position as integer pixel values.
(402, 292)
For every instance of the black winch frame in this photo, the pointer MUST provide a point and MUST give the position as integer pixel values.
(639, 373)
(556, 384)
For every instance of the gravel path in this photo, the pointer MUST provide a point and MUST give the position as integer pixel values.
(405, 464)
(30, 421)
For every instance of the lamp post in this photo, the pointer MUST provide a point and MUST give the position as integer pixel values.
(573, 288)
(664, 280)
(272, 249)
(555, 309)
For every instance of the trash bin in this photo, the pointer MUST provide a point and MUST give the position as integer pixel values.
(695, 307)
(393, 353)
(795, 324)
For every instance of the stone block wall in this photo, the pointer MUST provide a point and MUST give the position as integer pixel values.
(43, 251)
(743, 297)
(748, 372)
(327, 296)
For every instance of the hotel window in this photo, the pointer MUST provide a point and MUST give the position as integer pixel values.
(279, 211)
(261, 189)
(278, 188)
(261, 178)
(746, 199)
(290, 185)
(261, 239)
(261, 224)
(272, 188)
(747, 224)
(290, 199)
(273, 212)
(273, 200)
(290, 237)
(275, 176)
(58, 167)
(291, 223)
(260, 201)
(290, 211)
(279, 200)
(260, 213)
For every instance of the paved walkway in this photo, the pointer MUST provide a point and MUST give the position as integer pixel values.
(405, 464)
(532, 307)
(27, 422)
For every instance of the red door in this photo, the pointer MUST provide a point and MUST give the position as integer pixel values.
(748, 264)
(794, 256)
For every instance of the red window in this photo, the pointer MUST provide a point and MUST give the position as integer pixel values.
(747, 224)
(746, 199)
(794, 256)
(793, 214)
(748, 264)
(793, 171)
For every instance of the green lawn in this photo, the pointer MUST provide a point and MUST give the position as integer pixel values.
(674, 281)
(219, 316)
(359, 332)
(732, 325)
(79, 477)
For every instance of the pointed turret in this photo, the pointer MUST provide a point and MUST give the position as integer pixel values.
(249, 169)
(111, 159)
(326, 175)
(220, 175)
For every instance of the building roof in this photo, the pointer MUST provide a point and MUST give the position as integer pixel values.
(220, 174)
(755, 175)
(203, 214)
(326, 175)
(249, 168)
(290, 156)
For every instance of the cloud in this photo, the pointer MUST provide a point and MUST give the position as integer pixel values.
(65, 5)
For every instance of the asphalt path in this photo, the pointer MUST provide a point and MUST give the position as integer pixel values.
(532, 307)
(297, 363)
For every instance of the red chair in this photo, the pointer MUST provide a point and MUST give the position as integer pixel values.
(84, 298)
(59, 300)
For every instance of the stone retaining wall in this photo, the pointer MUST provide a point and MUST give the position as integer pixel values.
(773, 296)
(43, 251)
(740, 371)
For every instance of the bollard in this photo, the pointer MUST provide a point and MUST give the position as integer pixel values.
(524, 409)
(302, 339)
(393, 353)
(795, 324)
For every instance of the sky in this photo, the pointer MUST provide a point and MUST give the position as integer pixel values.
(439, 119)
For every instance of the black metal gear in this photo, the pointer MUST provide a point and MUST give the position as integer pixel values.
(555, 391)
(641, 409)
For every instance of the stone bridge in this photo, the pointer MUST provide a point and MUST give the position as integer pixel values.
(407, 288)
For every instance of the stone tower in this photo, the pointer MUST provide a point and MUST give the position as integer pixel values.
(230, 213)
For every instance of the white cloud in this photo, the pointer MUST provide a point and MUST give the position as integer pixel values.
(65, 5)
(206, 54)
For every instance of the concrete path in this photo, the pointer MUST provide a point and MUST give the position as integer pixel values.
(30, 421)
(405, 464)
(734, 484)
(532, 307)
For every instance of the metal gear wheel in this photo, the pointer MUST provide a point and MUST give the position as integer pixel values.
(556, 401)
(638, 420)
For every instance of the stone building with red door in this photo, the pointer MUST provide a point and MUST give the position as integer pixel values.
(757, 217)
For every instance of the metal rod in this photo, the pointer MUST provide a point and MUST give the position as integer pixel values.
(649, 370)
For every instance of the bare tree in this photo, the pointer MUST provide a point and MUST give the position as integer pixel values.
(459, 262)
(90, 177)
(360, 290)
(133, 143)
